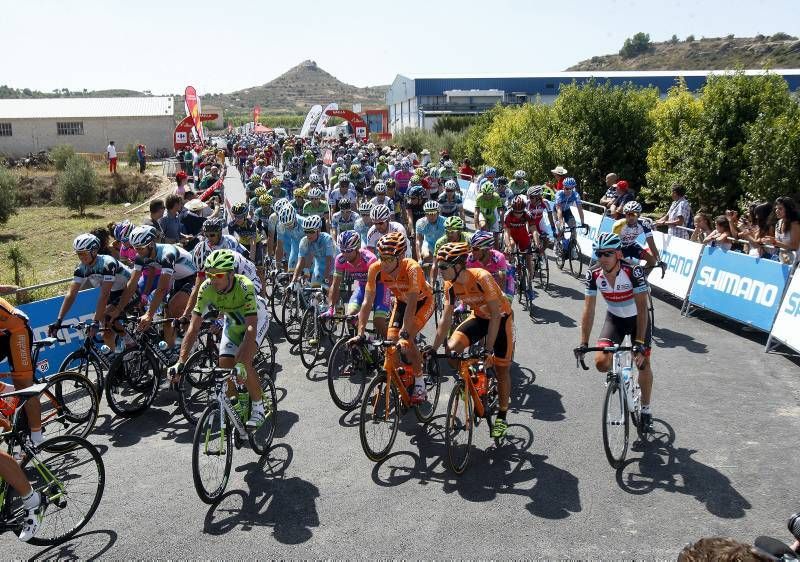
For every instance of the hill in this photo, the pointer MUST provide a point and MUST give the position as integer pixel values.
(7, 92)
(296, 90)
(709, 53)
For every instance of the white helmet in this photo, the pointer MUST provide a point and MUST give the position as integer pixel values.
(315, 193)
(86, 242)
(312, 223)
(287, 215)
(430, 206)
(380, 188)
(519, 175)
(143, 235)
(200, 253)
(379, 213)
(632, 207)
(535, 191)
(270, 169)
(451, 184)
(314, 178)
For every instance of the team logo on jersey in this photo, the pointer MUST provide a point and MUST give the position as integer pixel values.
(638, 272)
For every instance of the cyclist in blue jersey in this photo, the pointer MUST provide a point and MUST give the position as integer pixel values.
(318, 247)
(289, 233)
(344, 218)
(428, 229)
(564, 199)
(363, 222)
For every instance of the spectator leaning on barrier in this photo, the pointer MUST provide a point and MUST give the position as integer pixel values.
(181, 181)
(679, 213)
(141, 156)
(622, 195)
(754, 229)
(702, 227)
(611, 190)
(171, 222)
(465, 172)
(559, 173)
(787, 229)
(721, 236)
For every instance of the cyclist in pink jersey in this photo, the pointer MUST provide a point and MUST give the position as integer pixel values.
(402, 177)
(483, 256)
(355, 261)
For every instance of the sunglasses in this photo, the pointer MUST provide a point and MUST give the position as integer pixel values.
(213, 234)
(141, 248)
(431, 213)
(444, 266)
(380, 222)
(606, 254)
(84, 253)
(388, 258)
(216, 274)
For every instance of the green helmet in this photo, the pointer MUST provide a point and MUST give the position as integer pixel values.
(487, 188)
(221, 260)
(453, 223)
(260, 190)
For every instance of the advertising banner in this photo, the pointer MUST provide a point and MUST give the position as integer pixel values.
(256, 113)
(597, 223)
(193, 110)
(43, 313)
(469, 192)
(786, 328)
(325, 117)
(681, 256)
(739, 286)
(311, 118)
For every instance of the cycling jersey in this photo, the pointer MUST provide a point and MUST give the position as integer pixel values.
(537, 212)
(336, 195)
(630, 281)
(450, 207)
(488, 205)
(564, 201)
(104, 269)
(320, 209)
(495, 264)
(373, 235)
(339, 223)
(628, 234)
(477, 290)
(518, 187)
(319, 249)
(358, 272)
(383, 200)
(290, 238)
(173, 260)
(277, 193)
(430, 231)
(239, 303)
(402, 178)
(464, 237)
(407, 277)
(15, 342)
(517, 226)
(417, 211)
(242, 266)
(362, 228)
(247, 231)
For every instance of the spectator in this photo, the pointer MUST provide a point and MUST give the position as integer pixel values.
(103, 234)
(111, 155)
(702, 227)
(171, 222)
(787, 230)
(559, 173)
(181, 181)
(621, 196)
(718, 549)
(611, 190)
(679, 213)
(156, 212)
(209, 179)
(141, 156)
(755, 229)
(187, 161)
(721, 236)
(426, 157)
(465, 172)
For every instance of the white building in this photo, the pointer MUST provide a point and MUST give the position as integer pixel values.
(88, 124)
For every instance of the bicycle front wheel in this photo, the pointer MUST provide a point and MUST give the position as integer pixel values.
(69, 474)
(616, 425)
(575, 261)
(132, 383)
(69, 405)
(458, 428)
(212, 453)
(80, 361)
(558, 250)
(310, 338)
(347, 376)
(543, 269)
(380, 417)
(197, 380)
(433, 385)
(261, 437)
(291, 316)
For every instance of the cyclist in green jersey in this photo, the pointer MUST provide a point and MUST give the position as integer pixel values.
(520, 185)
(453, 232)
(245, 326)
(487, 206)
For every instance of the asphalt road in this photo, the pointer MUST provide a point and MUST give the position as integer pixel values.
(726, 414)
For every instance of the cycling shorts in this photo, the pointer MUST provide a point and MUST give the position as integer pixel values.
(233, 334)
(615, 328)
(474, 329)
(521, 238)
(17, 347)
(184, 285)
(421, 317)
(318, 272)
(380, 307)
(634, 252)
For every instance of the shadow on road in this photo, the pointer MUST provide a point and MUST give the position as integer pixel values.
(562, 292)
(547, 316)
(662, 466)
(526, 396)
(85, 546)
(288, 505)
(666, 338)
(157, 420)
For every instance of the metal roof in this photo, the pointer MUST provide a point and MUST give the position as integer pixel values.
(603, 73)
(69, 108)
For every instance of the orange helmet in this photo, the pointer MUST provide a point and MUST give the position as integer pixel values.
(393, 244)
(453, 252)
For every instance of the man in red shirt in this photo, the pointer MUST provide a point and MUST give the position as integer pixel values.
(465, 172)
(559, 173)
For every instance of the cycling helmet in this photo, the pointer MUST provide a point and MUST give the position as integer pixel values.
(287, 216)
(519, 175)
(393, 244)
(607, 241)
(415, 181)
(450, 185)
(433, 172)
(274, 182)
(490, 172)
(348, 241)
(312, 223)
(343, 203)
(123, 230)
(300, 192)
(199, 255)
(314, 178)
(142, 236)
(535, 191)
(239, 210)
(280, 204)
(215, 224)
(569, 182)
(391, 183)
(270, 169)
(221, 260)
(419, 172)
(380, 188)
(632, 207)
(255, 178)
(355, 168)
(518, 203)
(487, 188)
(343, 178)
(315, 193)
(482, 240)
(379, 213)
(417, 191)
(502, 180)
(86, 242)
(453, 223)
(453, 252)
(431, 206)
(365, 208)
(449, 164)
(265, 200)
(260, 190)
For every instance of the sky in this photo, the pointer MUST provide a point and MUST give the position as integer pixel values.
(219, 47)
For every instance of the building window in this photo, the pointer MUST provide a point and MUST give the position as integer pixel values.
(5, 129)
(70, 128)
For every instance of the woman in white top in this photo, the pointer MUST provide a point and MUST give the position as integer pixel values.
(787, 229)
(720, 237)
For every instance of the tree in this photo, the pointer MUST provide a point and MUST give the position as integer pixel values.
(674, 39)
(60, 154)
(471, 145)
(690, 39)
(636, 45)
(78, 184)
(9, 183)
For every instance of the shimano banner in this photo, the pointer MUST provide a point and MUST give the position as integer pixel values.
(681, 256)
(597, 223)
(739, 286)
(787, 322)
(43, 313)
(469, 192)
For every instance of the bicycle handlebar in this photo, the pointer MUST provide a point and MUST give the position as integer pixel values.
(579, 353)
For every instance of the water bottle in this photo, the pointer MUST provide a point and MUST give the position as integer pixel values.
(105, 350)
(481, 383)
(162, 345)
(627, 382)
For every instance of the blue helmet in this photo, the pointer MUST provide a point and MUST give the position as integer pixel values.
(490, 172)
(348, 241)
(569, 182)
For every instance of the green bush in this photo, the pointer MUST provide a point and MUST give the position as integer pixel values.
(453, 123)
(9, 185)
(78, 184)
(60, 154)
(636, 45)
(130, 154)
(418, 139)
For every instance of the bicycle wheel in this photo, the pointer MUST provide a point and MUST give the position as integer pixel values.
(558, 250)
(458, 428)
(197, 381)
(69, 405)
(261, 438)
(616, 425)
(132, 383)
(69, 473)
(212, 453)
(433, 386)
(575, 261)
(347, 375)
(291, 316)
(522, 285)
(543, 271)
(310, 338)
(380, 416)
(276, 298)
(80, 361)
(264, 359)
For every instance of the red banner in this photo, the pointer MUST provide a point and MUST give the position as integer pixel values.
(360, 129)
(181, 138)
(256, 114)
(193, 110)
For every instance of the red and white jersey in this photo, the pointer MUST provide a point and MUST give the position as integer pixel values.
(630, 281)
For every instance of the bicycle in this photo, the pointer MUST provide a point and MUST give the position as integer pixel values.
(294, 303)
(221, 427)
(524, 287)
(67, 471)
(541, 267)
(387, 399)
(567, 249)
(92, 359)
(623, 397)
(349, 368)
(438, 300)
(313, 328)
(473, 398)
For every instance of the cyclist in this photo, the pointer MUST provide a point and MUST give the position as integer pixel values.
(402, 176)
(629, 229)
(413, 304)
(517, 231)
(415, 201)
(381, 225)
(450, 202)
(624, 287)
(277, 191)
(448, 172)
(316, 246)
(31, 499)
(491, 317)
(484, 256)
(246, 323)
(289, 234)
(315, 206)
(382, 199)
(566, 197)
(174, 284)
(94, 270)
(363, 222)
(344, 218)
(342, 190)
(299, 201)
(246, 230)
(520, 185)
(537, 207)
(487, 207)
(428, 229)
(354, 261)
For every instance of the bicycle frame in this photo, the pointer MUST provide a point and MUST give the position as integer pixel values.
(464, 372)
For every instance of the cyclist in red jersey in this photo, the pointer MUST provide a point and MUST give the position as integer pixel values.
(538, 208)
(517, 231)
